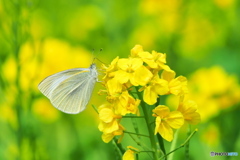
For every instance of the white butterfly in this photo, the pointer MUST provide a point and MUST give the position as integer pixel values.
(70, 90)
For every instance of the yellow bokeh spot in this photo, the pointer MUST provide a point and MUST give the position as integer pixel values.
(10, 69)
(43, 109)
(224, 3)
(8, 115)
(211, 136)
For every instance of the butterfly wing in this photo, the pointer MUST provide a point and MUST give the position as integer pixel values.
(70, 90)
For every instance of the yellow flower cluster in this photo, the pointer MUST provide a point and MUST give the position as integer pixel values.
(149, 75)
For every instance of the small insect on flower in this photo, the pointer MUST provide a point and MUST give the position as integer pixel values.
(70, 90)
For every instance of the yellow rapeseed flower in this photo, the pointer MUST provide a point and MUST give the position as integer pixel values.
(135, 50)
(109, 121)
(154, 88)
(133, 70)
(166, 120)
(178, 85)
(189, 110)
(124, 103)
(214, 90)
(129, 154)
(109, 71)
(107, 137)
(153, 60)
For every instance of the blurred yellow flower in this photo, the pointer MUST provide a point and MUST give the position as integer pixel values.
(130, 153)
(213, 89)
(188, 108)
(166, 120)
(9, 71)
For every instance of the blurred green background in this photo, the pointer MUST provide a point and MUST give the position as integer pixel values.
(39, 38)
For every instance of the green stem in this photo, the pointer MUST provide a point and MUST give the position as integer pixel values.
(133, 117)
(135, 126)
(173, 145)
(119, 148)
(136, 134)
(182, 145)
(150, 130)
(187, 144)
(136, 156)
(141, 145)
(161, 144)
(95, 108)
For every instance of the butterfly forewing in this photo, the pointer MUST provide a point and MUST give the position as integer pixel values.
(51, 82)
(71, 95)
(70, 90)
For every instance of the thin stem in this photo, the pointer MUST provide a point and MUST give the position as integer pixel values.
(133, 117)
(136, 134)
(118, 147)
(95, 108)
(187, 144)
(182, 145)
(136, 156)
(135, 126)
(173, 145)
(140, 144)
(161, 144)
(150, 131)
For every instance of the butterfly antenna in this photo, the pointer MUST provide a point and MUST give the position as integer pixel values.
(99, 59)
(93, 57)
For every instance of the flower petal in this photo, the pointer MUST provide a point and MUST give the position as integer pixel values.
(128, 155)
(162, 111)
(168, 75)
(175, 119)
(135, 50)
(149, 96)
(106, 115)
(114, 86)
(142, 76)
(107, 137)
(157, 124)
(123, 63)
(122, 76)
(161, 87)
(135, 63)
(166, 131)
